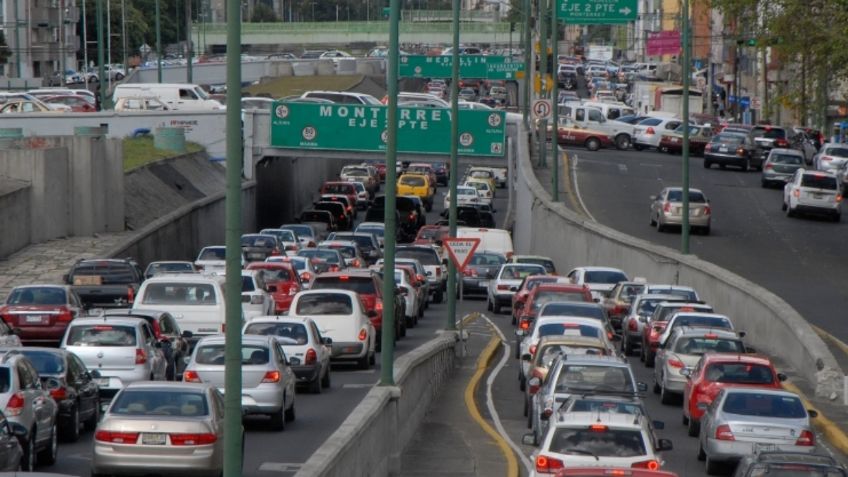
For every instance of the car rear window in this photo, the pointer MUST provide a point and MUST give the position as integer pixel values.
(764, 405)
(412, 181)
(258, 241)
(610, 277)
(189, 294)
(617, 407)
(337, 189)
(277, 275)
(214, 354)
(37, 296)
(549, 265)
(729, 139)
(590, 377)
(739, 373)
(160, 402)
(685, 293)
(548, 296)
(45, 362)
(705, 321)
(786, 159)
(426, 256)
(5, 379)
(217, 253)
(517, 272)
(666, 311)
(108, 273)
(247, 284)
(677, 196)
(294, 331)
(488, 259)
(573, 329)
(575, 309)
(170, 267)
(316, 216)
(549, 353)
(836, 151)
(361, 285)
(329, 256)
(300, 230)
(378, 231)
(361, 240)
(819, 181)
(345, 250)
(599, 441)
(792, 469)
(769, 133)
(650, 122)
(101, 335)
(324, 304)
(698, 345)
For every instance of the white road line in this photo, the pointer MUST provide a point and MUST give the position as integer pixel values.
(358, 385)
(577, 189)
(622, 168)
(490, 404)
(279, 467)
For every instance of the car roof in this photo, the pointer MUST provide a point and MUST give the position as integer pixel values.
(599, 269)
(570, 339)
(279, 319)
(186, 278)
(558, 286)
(700, 313)
(253, 339)
(169, 385)
(783, 150)
(758, 390)
(658, 296)
(676, 188)
(597, 360)
(338, 291)
(351, 272)
(737, 357)
(794, 457)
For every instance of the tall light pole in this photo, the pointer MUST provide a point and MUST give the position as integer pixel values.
(124, 36)
(101, 59)
(555, 102)
(454, 161)
(528, 58)
(84, 43)
(687, 76)
(188, 41)
(62, 55)
(543, 74)
(159, 44)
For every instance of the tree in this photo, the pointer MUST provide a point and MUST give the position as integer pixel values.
(262, 13)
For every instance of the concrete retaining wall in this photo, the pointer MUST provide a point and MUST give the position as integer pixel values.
(370, 441)
(775, 328)
(15, 218)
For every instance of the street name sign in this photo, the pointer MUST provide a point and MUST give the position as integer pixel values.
(596, 12)
(461, 250)
(470, 66)
(348, 127)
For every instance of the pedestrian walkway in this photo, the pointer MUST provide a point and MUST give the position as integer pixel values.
(450, 442)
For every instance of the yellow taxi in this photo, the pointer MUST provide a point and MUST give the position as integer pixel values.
(417, 185)
(482, 173)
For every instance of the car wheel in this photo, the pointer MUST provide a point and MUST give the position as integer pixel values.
(764, 183)
(290, 414)
(638, 147)
(522, 382)
(171, 370)
(653, 222)
(783, 206)
(707, 164)
(660, 226)
(517, 349)
(642, 356)
(622, 141)
(722, 166)
(789, 211)
(685, 420)
(28, 458)
(278, 422)
(315, 385)
(712, 467)
(71, 433)
(496, 308)
(628, 346)
(693, 428)
(91, 422)
(746, 166)
(526, 409)
(488, 304)
(656, 385)
(49, 455)
(364, 362)
(593, 144)
(706, 230)
(372, 359)
(837, 217)
(650, 359)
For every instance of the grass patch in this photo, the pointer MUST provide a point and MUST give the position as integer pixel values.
(139, 151)
(291, 85)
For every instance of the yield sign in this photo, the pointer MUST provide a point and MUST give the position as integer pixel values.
(461, 250)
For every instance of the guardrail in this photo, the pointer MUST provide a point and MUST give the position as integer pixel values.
(773, 327)
(374, 27)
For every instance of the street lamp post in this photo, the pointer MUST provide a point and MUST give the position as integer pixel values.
(158, 45)
(84, 44)
(687, 75)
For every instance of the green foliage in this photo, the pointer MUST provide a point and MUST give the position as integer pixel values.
(262, 13)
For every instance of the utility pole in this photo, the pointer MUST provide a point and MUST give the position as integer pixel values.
(62, 54)
(687, 77)
(159, 44)
(528, 59)
(188, 41)
(543, 74)
(124, 37)
(555, 102)
(454, 161)
(101, 57)
(84, 44)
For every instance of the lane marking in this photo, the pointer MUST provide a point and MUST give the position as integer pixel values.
(490, 402)
(828, 428)
(836, 341)
(279, 467)
(573, 176)
(622, 168)
(359, 385)
(482, 363)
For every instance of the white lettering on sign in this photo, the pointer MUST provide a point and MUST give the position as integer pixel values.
(461, 250)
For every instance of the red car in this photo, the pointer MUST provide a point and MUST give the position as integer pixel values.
(432, 234)
(550, 292)
(612, 472)
(283, 282)
(527, 286)
(41, 313)
(652, 331)
(76, 102)
(716, 371)
(571, 134)
(340, 188)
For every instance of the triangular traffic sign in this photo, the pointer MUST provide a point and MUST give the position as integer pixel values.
(461, 250)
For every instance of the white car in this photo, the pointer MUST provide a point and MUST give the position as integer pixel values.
(506, 283)
(650, 130)
(196, 301)
(378, 229)
(560, 325)
(212, 259)
(465, 196)
(305, 234)
(831, 157)
(255, 299)
(308, 352)
(413, 306)
(600, 280)
(634, 323)
(485, 194)
(589, 439)
(815, 192)
(340, 316)
(288, 239)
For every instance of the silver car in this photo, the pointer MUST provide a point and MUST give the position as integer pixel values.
(813, 192)
(831, 157)
(506, 283)
(741, 419)
(634, 323)
(267, 380)
(780, 166)
(162, 428)
(667, 206)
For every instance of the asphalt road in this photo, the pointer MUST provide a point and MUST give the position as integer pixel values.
(269, 453)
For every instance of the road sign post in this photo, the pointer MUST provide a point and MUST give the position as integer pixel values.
(454, 160)
(596, 12)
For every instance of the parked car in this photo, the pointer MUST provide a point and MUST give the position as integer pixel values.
(145, 418)
(268, 383)
(813, 192)
(667, 209)
(39, 314)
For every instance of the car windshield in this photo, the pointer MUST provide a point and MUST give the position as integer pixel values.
(704, 321)
(792, 159)
(101, 335)
(329, 256)
(548, 296)
(45, 362)
(160, 402)
(818, 181)
(573, 308)
(338, 189)
(189, 294)
(549, 353)
(764, 405)
(685, 293)
(294, 331)
(568, 329)
(598, 440)
(836, 151)
(346, 251)
(378, 231)
(325, 304)
(300, 230)
(283, 235)
(257, 241)
(589, 378)
(427, 256)
(518, 272)
(109, 273)
(698, 345)
(676, 195)
(731, 139)
(276, 275)
(487, 259)
(739, 373)
(609, 277)
(549, 265)
(361, 285)
(37, 296)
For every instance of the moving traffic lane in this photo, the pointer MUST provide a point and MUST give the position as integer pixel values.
(799, 259)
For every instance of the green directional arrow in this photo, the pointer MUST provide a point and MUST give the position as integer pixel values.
(597, 12)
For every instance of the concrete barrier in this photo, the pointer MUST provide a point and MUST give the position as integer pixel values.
(370, 441)
(773, 326)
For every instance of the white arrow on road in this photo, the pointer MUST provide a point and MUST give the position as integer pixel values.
(625, 11)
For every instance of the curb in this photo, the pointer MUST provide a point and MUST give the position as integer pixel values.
(828, 428)
(482, 364)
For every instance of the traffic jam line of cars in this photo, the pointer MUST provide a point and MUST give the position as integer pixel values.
(585, 409)
(138, 355)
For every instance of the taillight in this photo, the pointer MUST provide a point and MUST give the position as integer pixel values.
(646, 464)
(65, 315)
(305, 277)
(379, 306)
(191, 377)
(675, 363)
(781, 142)
(532, 349)
(740, 151)
(192, 439)
(707, 210)
(547, 464)
(650, 130)
(839, 197)
(769, 167)
(826, 158)
(15, 406)
(667, 207)
(723, 433)
(356, 263)
(271, 377)
(796, 192)
(524, 325)
(275, 252)
(807, 439)
(140, 356)
(708, 148)
(438, 272)
(116, 437)
(632, 325)
(257, 299)
(411, 216)
(311, 357)
(362, 334)
(59, 394)
(130, 295)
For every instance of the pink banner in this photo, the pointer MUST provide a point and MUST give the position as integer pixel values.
(663, 43)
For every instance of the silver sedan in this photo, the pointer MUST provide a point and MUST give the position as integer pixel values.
(742, 420)
(667, 209)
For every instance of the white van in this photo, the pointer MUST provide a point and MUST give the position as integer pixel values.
(195, 300)
(491, 240)
(611, 110)
(181, 96)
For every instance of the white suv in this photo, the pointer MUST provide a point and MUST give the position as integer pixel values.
(816, 192)
(584, 439)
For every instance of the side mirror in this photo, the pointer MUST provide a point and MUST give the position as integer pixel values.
(272, 288)
(652, 198)
(703, 406)
(400, 291)
(52, 383)
(94, 374)
(528, 439)
(421, 278)
(641, 387)
(658, 425)
(526, 357)
(781, 377)
(327, 340)
(812, 413)
(741, 334)
(186, 359)
(686, 372)
(665, 445)
(750, 350)
(513, 289)
(520, 332)
(18, 430)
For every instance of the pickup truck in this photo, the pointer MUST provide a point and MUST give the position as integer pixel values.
(105, 283)
(593, 118)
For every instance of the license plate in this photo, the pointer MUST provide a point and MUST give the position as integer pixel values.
(818, 196)
(257, 255)
(674, 139)
(722, 149)
(34, 318)
(153, 439)
(103, 382)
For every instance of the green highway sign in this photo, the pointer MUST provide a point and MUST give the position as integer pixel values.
(348, 127)
(596, 12)
(470, 66)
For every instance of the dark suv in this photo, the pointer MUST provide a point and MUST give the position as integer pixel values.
(105, 283)
(409, 220)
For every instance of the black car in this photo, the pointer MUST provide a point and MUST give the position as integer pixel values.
(340, 214)
(471, 216)
(321, 221)
(731, 149)
(258, 247)
(105, 283)
(408, 216)
(482, 268)
(777, 462)
(442, 172)
(72, 386)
